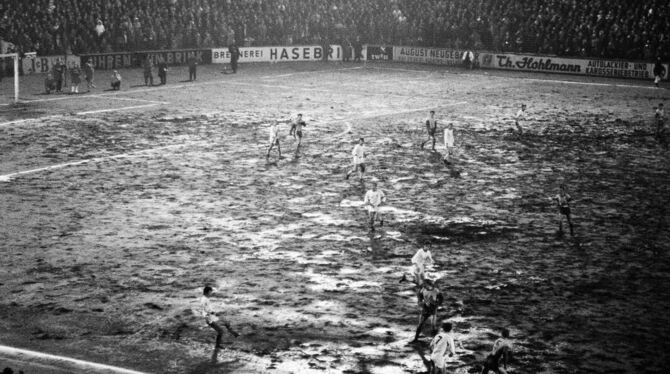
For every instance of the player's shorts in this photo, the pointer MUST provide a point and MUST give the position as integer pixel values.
(418, 271)
(274, 141)
(565, 210)
(657, 79)
(427, 311)
(431, 133)
(491, 363)
(360, 166)
(299, 133)
(373, 209)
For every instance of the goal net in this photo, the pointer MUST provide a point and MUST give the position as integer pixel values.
(9, 63)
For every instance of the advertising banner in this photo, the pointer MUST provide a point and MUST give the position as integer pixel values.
(278, 54)
(134, 59)
(44, 64)
(433, 56)
(378, 53)
(575, 66)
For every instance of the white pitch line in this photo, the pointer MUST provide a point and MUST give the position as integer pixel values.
(308, 72)
(9, 177)
(598, 84)
(116, 109)
(102, 96)
(85, 366)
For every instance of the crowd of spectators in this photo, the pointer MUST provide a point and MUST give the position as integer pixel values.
(597, 28)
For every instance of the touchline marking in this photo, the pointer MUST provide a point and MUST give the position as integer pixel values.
(619, 85)
(9, 177)
(308, 72)
(102, 96)
(85, 366)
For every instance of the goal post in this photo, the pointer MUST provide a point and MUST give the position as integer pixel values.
(15, 57)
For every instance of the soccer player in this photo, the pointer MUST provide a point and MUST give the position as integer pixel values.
(449, 142)
(502, 348)
(430, 299)
(660, 120)
(421, 259)
(372, 200)
(234, 55)
(192, 67)
(441, 347)
(148, 71)
(274, 138)
(88, 74)
(211, 318)
(659, 71)
(59, 74)
(520, 117)
(296, 126)
(431, 126)
(359, 153)
(75, 78)
(49, 83)
(116, 80)
(563, 201)
(162, 71)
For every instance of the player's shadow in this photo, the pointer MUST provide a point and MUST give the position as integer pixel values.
(213, 366)
(426, 362)
(142, 85)
(185, 81)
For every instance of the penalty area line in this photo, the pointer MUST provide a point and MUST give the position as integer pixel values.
(9, 177)
(28, 357)
(18, 121)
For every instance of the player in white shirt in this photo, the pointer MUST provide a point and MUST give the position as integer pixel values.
(274, 138)
(373, 199)
(421, 259)
(519, 118)
(441, 347)
(359, 152)
(449, 142)
(211, 318)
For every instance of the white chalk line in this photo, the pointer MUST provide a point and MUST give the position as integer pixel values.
(116, 109)
(9, 177)
(82, 96)
(86, 366)
(309, 72)
(4, 124)
(598, 84)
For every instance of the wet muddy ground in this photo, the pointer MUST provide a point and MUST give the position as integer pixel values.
(105, 259)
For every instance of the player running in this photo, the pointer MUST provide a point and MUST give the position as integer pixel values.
(211, 318)
(373, 199)
(430, 299)
(296, 128)
(449, 143)
(563, 201)
(431, 126)
(359, 153)
(441, 347)
(502, 349)
(274, 138)
(519, 118)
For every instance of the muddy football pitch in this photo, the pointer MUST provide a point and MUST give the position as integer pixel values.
(119, 206)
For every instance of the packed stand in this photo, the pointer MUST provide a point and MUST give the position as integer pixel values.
(612, 29)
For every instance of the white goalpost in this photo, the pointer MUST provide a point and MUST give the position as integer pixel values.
(15, 57)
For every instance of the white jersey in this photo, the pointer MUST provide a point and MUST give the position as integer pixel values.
(359, 154)
(448, 137)
(422, 258)
(206, 310)
(374, 198)
(441, 346)
(520, 115)
(274, 132)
